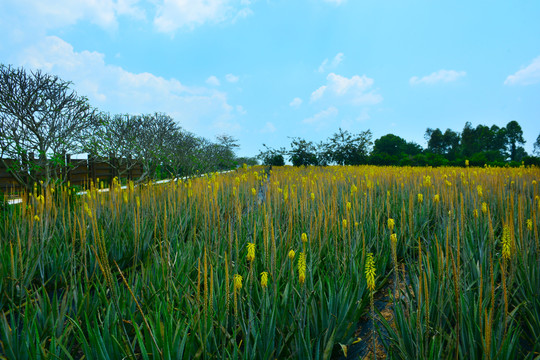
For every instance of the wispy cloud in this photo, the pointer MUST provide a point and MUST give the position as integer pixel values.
(114, 89)
(50, 14)
(527, 75)
(231, 78)
(176, 14)
(326, 64)
(212, 80)
(355, 90)
(269, 127)
(296, 102)
(337, 2)
(323, 117)
(441, 76)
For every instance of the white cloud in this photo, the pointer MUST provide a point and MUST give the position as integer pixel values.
(172, 15)
(240, 110)
(325, 65)
(354, 90)
(441, 76)
(527, 75)
(296, 102)
(337, 2)
(323, 117)
(212, 80)
(231, 78)
(363, 116)
(317, 94)
(112, 88)
(268, 128)
(59, 13)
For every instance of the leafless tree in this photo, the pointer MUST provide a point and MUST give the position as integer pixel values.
(40, 115)
(116, 141)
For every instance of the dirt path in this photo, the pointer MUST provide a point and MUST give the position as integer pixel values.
(384, 303)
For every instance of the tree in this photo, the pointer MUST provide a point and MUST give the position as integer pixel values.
(394, 145)
(435, 139)
(537, 146)
(468, 141)
(184, 154)
(272, 156)
(116, 141)
(303, 152)
(41, 116)
(514, 136)
(226, 147)
(446, 144)
(451, 144)
(344, 148)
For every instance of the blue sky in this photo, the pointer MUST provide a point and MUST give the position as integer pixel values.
(267, 70)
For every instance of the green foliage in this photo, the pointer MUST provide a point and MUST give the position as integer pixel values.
(303, 153)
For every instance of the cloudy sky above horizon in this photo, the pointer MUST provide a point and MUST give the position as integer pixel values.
(267, 70)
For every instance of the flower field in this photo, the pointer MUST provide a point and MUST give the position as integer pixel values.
(276, 265)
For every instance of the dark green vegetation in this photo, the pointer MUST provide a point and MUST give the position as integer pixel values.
(481, 146)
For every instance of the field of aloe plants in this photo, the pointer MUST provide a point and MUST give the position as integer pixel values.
(278, 264)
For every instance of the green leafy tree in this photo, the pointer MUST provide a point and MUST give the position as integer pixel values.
(514, 136)
(435, 139)
(270, 156)
(303, 152)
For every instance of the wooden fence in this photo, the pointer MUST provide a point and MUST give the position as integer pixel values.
(79, 172)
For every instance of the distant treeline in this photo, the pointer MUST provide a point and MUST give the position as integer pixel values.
(483, 145)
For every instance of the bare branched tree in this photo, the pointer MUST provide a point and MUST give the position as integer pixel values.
(117, 141)
(41, 116)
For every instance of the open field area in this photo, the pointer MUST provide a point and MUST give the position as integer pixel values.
(219, 266)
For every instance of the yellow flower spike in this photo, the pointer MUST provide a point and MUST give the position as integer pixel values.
(354, 189)
(484, 208)
(370, 272)
(467, 163)
(391, 224)
(264, 279)
(479, 190)
(420, 198)
(253, 191)
(436, 198)
(506, 247)
(138, 201)
(393, 239)
(36, 218)
(348, 206)
(250, 252)
(302, 268)
(312, 196)
(87, 209)
(475, 213)
(304, 237)
(237, 281)
(344, 223)
(291, 255)
(529, 224)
